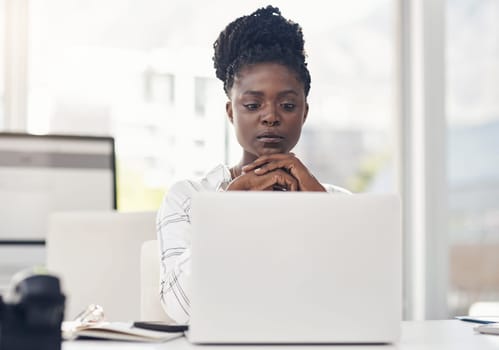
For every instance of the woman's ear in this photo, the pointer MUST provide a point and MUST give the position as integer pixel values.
(306, 113)
(228, 109)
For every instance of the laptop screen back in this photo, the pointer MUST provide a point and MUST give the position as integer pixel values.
(295, 268)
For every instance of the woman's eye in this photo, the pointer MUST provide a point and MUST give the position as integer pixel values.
(288, 106)
(252, 106)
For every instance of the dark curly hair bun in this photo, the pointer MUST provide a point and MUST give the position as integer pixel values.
(263, 36)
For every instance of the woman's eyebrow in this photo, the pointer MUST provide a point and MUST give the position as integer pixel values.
(260, 93)
(287, 92)
(253, 92)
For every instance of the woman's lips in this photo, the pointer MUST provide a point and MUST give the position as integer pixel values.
(270, 138)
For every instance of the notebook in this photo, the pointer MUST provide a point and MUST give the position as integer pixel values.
(295, 267)
(115, 331)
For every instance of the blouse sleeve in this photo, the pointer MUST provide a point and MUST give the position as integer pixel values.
(336, 189)
(173, 230)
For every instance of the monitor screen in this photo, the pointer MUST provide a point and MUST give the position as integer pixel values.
(41, 174)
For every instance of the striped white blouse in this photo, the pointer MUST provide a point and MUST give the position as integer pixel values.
(173, 230)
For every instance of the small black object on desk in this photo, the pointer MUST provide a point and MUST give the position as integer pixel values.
(31, 313)
(162, 326)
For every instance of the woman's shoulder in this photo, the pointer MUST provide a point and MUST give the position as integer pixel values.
(178, 196)
(210, 181)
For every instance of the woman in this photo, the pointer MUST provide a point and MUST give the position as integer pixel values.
(260, 58)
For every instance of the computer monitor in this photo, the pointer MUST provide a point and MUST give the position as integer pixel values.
(40, 174)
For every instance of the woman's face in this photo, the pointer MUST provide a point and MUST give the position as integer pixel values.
(267, 108)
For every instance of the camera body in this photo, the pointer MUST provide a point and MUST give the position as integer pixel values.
(31, 313)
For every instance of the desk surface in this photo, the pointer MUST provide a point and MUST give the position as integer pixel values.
(441, 335)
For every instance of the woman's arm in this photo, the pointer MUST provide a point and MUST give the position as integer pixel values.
(173, 230)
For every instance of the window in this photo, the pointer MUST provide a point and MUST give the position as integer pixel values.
(473, 157)
(142, 72)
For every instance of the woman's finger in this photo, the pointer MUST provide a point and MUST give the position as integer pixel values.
(264, 159)
(271, 166)
(277, 177)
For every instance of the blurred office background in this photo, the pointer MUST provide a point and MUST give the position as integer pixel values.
(141, 71)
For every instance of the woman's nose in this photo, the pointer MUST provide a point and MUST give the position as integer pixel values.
(271, 118)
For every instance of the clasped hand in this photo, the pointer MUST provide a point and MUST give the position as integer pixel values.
(275, 171)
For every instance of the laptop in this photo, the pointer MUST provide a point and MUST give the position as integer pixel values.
(295, 267)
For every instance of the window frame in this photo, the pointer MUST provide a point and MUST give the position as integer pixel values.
(422, 157)
(16, 65)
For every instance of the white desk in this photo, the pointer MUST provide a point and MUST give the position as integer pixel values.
(424, 335)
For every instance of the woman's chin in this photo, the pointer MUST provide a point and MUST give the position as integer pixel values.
(270, 151)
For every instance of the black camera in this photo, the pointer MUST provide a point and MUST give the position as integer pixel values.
(31, 313)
